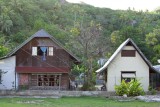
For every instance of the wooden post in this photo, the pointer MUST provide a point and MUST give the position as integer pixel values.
(37, 80)
(55, 77)
(59, 82)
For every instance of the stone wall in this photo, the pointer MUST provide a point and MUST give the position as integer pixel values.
(55, 93)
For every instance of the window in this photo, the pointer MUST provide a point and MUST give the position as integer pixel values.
(42, 51)
(45, 80)
(127, 76)
(48, 80)
(128, 53)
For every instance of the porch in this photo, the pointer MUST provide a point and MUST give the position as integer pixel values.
(43, 81)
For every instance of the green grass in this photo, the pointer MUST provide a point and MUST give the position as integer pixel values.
(72, 102)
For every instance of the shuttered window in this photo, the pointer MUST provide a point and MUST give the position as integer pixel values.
(50, 53)
(34, 51)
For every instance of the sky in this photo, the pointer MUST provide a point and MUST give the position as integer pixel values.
(122, 4)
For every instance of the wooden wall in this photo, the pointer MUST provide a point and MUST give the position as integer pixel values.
(24, 56)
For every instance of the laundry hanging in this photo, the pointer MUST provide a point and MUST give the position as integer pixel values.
(43, 49)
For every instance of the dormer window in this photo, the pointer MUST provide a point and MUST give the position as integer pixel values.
(128, 53)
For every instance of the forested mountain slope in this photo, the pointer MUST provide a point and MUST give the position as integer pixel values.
(88, 31)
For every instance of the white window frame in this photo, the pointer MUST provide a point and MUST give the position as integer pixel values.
(34, 51)
(50, 51)
(128, 75)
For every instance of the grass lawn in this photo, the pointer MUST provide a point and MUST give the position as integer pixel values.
(72, 102)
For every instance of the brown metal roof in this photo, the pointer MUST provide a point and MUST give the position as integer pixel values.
(42, 69)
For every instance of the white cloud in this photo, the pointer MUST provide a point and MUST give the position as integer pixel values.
(122, 4)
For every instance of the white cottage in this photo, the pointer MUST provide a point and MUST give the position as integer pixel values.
(127, 62)
(8, 80)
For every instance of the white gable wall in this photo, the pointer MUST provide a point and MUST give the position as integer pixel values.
(8, 79)
(127, 64)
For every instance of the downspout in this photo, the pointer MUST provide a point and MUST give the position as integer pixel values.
(15, 75)
(15, 80)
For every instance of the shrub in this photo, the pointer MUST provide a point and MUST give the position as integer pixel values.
(135, 88)
(88, 87)
(132, 88)
(122, 88)
(152, 90)
(23, 87)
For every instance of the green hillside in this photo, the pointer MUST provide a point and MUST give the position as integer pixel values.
(89, 32)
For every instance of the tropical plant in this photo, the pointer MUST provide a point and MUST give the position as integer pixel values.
(122, 88)
(132, 88)
(135, 88)
(152, 90)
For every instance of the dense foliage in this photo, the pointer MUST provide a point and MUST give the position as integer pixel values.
(89, 32)
(132, 88)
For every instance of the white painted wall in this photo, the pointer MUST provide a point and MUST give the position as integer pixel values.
(127, 64)
(8, 79)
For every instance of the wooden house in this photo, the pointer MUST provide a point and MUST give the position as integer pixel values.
(127, 62)
(40, 62)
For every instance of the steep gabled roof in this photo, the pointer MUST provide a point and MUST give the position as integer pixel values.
(129, 40)
(41, 33)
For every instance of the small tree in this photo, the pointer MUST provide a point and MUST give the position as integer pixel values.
(90, 44)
